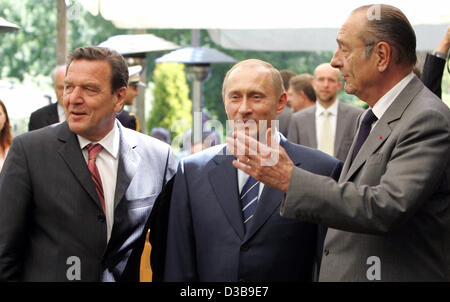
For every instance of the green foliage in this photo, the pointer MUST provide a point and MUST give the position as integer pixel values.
(172, 108)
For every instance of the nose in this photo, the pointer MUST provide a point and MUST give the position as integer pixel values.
(336, 61)
(245, 107)
(74, 97)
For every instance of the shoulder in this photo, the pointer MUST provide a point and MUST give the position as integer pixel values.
(135, 138)
(45, 109)
(349, 108)
(305, 113)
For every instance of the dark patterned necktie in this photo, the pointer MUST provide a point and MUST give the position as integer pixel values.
(94, 150)
(364, 130)
(249, 200)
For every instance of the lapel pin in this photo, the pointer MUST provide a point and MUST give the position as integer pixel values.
(381, 137)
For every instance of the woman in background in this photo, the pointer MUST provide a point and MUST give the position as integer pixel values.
(5, 134)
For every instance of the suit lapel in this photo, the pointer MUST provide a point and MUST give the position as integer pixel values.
(341, 127)
(383, 128)
(128, 165)
(223, 180)
(71, 153)
(270, 198)
(312, 128)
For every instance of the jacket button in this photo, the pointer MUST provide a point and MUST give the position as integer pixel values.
(244, 248)
(101, 218)
(326, 252)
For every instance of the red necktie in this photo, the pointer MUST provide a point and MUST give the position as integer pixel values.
(94, 150)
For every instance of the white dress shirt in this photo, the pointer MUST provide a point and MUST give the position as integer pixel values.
(386, 100)
(107, 163)
(333, 110)
(61, 114)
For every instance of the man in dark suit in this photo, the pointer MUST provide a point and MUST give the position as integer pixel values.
(434, 65)
(308, 126)
(76, 197)
(213, 235)
(53, 113)
(129, 119)
(388, 216)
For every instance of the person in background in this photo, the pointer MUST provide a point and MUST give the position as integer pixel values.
(434, 65)
(5, 134)
(129, 119)
(284, 117)
(53, 113)
(161, 133)
(301, 94)
(329, 125)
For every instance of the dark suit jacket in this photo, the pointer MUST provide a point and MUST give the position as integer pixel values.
(302, 129)
(432, 74)
(128, 120)
(392, 202)
(44, 116)
(50, 211)
(206, 239)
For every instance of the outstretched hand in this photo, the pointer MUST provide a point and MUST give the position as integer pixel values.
(269, 163)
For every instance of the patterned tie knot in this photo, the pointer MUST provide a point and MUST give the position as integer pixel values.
(369, 118)
(94, 150)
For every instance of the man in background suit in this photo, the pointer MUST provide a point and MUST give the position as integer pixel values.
(389, 214)
(308, 127)
(129, 119)
(301, 94)
(211, 235)
(53, 113)
(90, 223)
(434, 65)
(284, 118)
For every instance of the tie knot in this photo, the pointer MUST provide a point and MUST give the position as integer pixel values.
(94, 150)
(369, 118)
(326, 113)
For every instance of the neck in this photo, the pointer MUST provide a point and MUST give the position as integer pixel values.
(385, 82)
(326, 105)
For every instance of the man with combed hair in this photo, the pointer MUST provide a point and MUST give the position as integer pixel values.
(224, 226)
(388, 216)
(76, 197)
(329, 125)
(53, 113)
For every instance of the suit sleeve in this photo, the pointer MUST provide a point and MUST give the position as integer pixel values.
(416, 165)
(180, 258)
(32, 123)
(15, 208)
(293, 132)
(432, 74)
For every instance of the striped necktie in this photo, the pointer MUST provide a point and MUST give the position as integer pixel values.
(249, 200)
(94, 150)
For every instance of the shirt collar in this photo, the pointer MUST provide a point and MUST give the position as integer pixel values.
(332, 109)
(110, 142)
(386, 100)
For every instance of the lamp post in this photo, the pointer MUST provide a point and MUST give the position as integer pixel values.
(198, 61)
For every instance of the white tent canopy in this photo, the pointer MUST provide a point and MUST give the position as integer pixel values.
(267, 24)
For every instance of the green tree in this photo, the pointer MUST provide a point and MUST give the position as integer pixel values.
(171, 108)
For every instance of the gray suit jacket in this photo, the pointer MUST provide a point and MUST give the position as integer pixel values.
(284, 119)
(50, 213)
(391, 202)
(302, 129)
